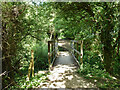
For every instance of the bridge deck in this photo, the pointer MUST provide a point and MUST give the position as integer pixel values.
(63, 71)
(64, 58)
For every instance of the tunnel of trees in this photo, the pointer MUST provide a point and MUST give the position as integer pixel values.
(29, 26)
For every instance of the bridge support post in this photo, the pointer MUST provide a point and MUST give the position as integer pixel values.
(77, 50)
(31, 66)
(74, 47)
(32, 54)
(52, 49)
(81, 57)
(49, 53)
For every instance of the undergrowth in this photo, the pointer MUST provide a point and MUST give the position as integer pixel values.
(34, 82)
(100, 77)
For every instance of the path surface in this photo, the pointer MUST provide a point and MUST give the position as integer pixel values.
(64, 74)
(64, 58)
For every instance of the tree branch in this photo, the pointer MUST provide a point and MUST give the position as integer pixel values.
(34, 37)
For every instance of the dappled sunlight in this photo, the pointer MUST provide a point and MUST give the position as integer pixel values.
(64, 53)
(69, 77)
(65, 44)
(63, 68)
(77, 81)
(61, 44)
(65, 76)
(42, 72)
(58, 76)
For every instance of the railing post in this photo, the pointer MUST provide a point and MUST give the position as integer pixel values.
(74, 48)
(54, 47)
(52, 50)
(49, 53)
(32, 55)
(77, 50)
(57, 45)
(31, 66)
(81, 59)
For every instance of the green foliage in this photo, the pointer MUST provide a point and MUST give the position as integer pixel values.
(32, 83)
(98, 76)
(40, 56)
(29, 26)
(91, 69)
(116, 71)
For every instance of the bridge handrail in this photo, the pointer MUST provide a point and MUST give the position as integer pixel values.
(51, 53)
(79, 53)
(75, 59)
(53, 61)
(75, 41)
(76, 50)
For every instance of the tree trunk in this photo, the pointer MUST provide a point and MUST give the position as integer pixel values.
(9, 68)
(106, 39)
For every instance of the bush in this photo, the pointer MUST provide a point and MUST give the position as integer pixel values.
(40, 56)
(103, 78)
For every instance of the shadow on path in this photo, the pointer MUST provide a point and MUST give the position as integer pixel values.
(64, 74)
